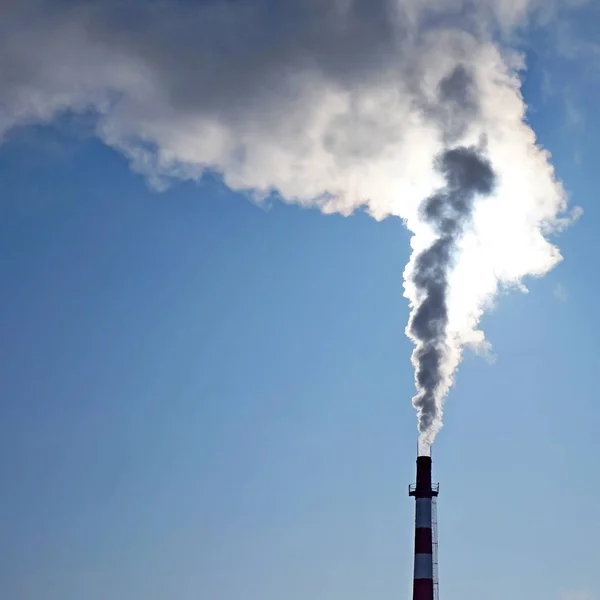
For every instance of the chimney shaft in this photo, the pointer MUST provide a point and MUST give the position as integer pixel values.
(423, 492)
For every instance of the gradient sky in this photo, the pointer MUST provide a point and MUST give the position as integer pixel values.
(202, 398)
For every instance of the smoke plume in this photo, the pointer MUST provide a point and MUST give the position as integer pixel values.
(468, 175)
(341, 105)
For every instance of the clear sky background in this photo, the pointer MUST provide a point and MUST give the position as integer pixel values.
(201, 398)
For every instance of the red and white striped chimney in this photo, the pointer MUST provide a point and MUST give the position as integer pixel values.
(423, 492)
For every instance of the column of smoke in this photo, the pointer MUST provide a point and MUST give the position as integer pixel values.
(342, 105)
(468, 175)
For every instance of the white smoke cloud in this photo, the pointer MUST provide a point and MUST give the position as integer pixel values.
(329, 103)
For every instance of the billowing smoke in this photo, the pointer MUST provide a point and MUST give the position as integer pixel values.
(342, 105)
(468, 175)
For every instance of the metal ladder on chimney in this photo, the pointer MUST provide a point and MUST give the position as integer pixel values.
(434, 532)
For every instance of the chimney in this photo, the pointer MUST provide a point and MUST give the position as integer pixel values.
(424, 493)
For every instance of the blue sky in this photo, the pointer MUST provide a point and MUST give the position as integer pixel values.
(206, 398)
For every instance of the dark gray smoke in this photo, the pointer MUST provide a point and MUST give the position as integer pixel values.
(457, 104)
(334, 104)
(468, 174)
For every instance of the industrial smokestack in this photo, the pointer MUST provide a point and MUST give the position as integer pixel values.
(424, 493)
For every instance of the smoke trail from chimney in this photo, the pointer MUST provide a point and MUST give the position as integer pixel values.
(342, 106)
(468, 175)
